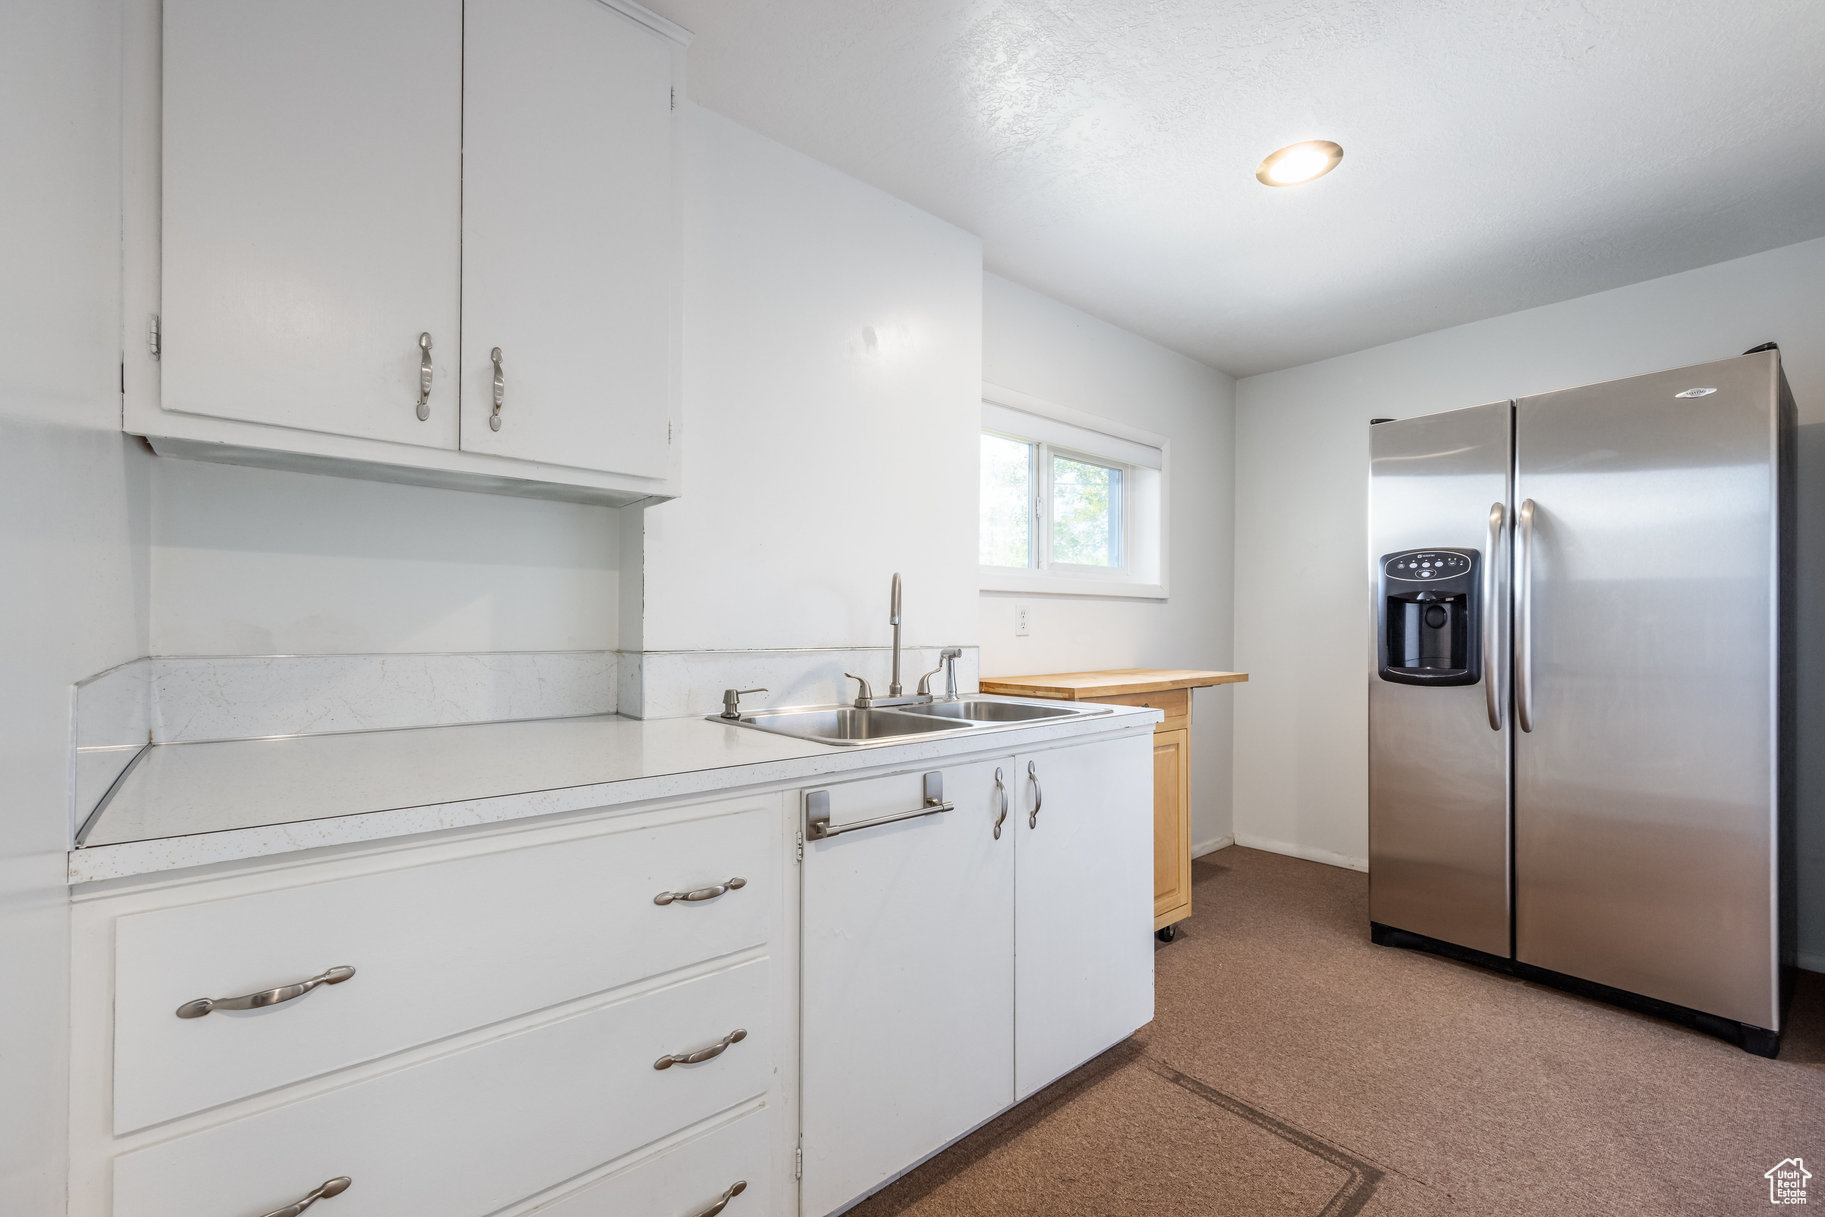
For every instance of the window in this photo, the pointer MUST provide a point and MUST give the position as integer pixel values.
(1070, 503)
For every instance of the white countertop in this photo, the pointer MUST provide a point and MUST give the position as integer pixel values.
(193, 804)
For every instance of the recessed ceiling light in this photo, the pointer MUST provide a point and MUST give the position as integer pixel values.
(1296, 164)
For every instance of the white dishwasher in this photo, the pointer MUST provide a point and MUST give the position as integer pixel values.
(908, 972)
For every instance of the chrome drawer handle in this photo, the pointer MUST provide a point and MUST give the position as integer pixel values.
(735, 1189)
(1039, 796)
(500, 390)
(703, 1054)
(1002, 790)
(424, 376)
(264, 998)
(323, 1191)
(702, 893)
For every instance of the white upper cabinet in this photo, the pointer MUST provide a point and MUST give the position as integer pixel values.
(312, 209)
(312, 185)
(567, 267)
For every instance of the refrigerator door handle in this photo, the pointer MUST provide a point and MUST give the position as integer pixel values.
(1492, 690)
(1524, 633)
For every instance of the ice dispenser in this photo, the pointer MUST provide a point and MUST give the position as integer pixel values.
(1429, 617)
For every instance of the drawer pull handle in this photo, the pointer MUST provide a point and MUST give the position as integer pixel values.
(323, 1191)
(264, 998)
(703, 1054)
(1039, 796)
(700, 894)
(735, 1189)
(1002, 790)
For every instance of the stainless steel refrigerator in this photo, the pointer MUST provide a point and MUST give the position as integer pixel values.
(1579, 703)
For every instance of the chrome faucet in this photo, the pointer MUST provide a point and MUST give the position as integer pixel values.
(896, 692)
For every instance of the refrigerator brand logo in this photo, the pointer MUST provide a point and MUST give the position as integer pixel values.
(1696, 393)
(1787, 1181)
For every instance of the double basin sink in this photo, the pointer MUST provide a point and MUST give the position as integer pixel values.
(850, 725)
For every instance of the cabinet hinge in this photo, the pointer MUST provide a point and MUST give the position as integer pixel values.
(798, 1162)
(668, 431)
(154, 341)
(673, 100)
(123, 377)
(801, 847)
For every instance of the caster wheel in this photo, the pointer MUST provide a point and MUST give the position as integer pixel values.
(1167, 934)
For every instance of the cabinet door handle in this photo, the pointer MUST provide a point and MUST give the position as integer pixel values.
(500, 390)
(695, 895)
(703, 1054)
(1002, 790)
(424, 376)
(1039, 795)
(735, 1189)
(323, 1191)
(266, 997)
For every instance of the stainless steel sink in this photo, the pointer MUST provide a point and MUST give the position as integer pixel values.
(851, 725)
(983, 711)
(846, 724)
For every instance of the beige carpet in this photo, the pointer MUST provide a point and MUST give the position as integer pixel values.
(1294, 1068)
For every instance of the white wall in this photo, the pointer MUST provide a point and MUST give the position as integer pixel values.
(260, 562)
(1033, 344)
(72, 493)
(832, 359)
(1301, 496)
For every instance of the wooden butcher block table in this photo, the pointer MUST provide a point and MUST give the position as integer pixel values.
(1167, 690)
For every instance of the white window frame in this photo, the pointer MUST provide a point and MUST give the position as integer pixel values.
(1046, 579)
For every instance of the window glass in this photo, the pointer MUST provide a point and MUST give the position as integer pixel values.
(1007, 502)
(1086, 513)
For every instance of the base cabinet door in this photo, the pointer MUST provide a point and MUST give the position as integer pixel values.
(1171, 827)
(1083, 946)
(907, 978)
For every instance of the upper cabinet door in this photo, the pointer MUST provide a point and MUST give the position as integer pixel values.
(568, 257)
(312, 173)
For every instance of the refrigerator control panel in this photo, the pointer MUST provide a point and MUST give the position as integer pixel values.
(1430, 617)
(1427, 565)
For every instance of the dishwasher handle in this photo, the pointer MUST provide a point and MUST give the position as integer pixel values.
(817, 811)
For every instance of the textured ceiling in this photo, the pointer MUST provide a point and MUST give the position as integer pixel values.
(1497, 155)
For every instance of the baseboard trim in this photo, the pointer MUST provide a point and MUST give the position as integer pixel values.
(1250, 841)
(1200, 848)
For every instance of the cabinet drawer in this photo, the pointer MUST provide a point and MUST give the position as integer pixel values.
(684, 1180)
(437, 949)
(466, 1134)
(1175, 703)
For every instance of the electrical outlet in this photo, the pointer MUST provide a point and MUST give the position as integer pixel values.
(1020, 621)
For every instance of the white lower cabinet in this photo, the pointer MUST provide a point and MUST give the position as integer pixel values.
(473, 1131)
(539, 1021)
(949, 971)
(514, 1039)
(1083, 913)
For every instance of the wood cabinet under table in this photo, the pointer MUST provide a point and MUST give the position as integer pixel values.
(1167, 690)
